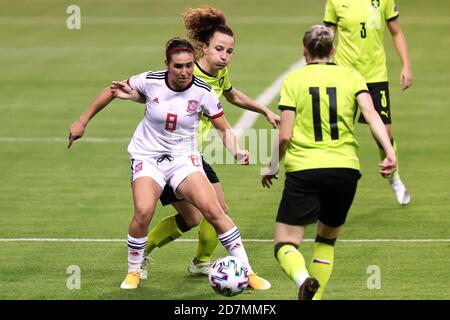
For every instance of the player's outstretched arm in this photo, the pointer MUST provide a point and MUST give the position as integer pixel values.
(122, 90)
(239, 99)
(230, 140)
(379, 132)
(76, 129)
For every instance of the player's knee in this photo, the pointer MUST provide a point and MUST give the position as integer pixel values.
(212, 211)
(143, 214)
(195, 220)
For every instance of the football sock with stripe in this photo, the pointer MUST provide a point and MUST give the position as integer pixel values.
(292, 261)
(207, 241)
(136, 248)
(232, 241)
(322, 263)
(166, 231)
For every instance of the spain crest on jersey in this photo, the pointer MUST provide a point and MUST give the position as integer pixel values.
(192, 106)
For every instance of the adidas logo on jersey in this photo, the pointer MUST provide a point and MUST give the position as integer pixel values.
(155, 100)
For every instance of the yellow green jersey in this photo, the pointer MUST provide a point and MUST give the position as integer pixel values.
(323, 96)
(219, 83)
(360, 26)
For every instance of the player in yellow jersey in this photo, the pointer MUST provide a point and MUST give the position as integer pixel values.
(214, 43)
(361, 25)
(316, 137)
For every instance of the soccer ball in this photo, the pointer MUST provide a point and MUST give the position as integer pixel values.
(228, 276)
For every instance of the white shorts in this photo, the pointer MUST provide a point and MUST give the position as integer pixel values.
(166, 169)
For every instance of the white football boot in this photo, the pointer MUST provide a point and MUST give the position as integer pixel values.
(199, 269)
(402, 195)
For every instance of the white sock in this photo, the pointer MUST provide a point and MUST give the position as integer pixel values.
(136, 247)
(232, 241)
(300, 277)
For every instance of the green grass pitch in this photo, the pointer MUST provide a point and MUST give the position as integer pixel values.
(49, 74)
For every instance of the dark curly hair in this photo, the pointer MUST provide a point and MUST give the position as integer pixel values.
(202, 23)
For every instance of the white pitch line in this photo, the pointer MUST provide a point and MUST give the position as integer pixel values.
(195, 240)
(61, 139)
(248, 118)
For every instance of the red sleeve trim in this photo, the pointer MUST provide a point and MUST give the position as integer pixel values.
(217, 115)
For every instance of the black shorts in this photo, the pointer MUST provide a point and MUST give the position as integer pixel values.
(379, 91)
(168, 195)
(318, 194)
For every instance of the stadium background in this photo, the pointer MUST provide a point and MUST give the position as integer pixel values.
(50, 73)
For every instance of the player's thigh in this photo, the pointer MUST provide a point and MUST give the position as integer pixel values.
(146, 192)
(338, 191)
(189, 181)
(197, 190)
(147, 182)
(300, 203)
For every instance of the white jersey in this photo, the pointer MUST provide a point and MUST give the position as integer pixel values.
(171, 117)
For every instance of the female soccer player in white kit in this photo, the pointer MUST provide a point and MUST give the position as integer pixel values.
(164, 149)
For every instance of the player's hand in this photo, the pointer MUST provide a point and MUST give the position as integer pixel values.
(266, 180)
(76, 131)
(268, 173)
(243, 157)
(388, 166)
(406, 77)
(121, 90)
(273, 119)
